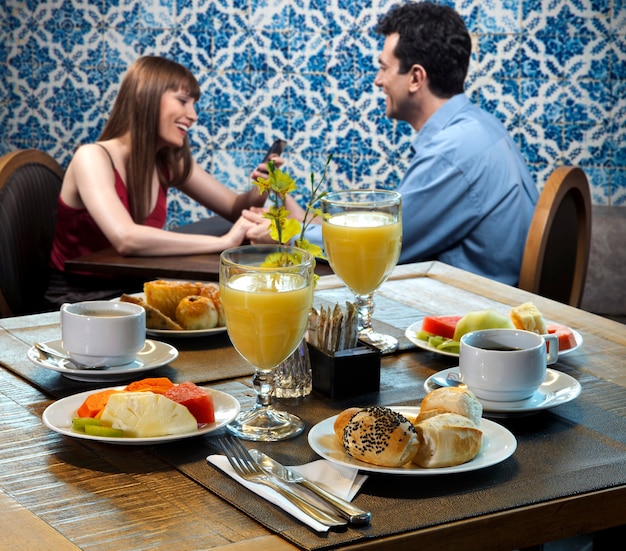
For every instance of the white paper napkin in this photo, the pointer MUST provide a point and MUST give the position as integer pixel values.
(343, 481)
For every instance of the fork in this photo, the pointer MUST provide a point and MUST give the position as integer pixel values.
(245, 466)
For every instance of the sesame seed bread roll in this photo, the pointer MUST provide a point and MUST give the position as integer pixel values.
(446, 440)
(380, 436)
(453, 400)
(342, 421)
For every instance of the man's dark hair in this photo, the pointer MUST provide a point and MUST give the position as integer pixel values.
(434, 37)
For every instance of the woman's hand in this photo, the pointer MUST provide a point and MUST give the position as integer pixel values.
(258, 232)
(238, 232)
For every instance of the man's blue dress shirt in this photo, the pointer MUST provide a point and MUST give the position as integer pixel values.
(467, 195)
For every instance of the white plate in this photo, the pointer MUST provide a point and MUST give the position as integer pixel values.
(154, 354)
(558, 388)
(416, 327)
(498, 445)
(58, 417)
(179, 334)
(411, 334)
(187, 333)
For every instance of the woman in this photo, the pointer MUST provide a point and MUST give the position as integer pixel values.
(114, 191)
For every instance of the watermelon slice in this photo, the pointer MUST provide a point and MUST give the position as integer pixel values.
(566, 337)
(197, 400)
(440, 325)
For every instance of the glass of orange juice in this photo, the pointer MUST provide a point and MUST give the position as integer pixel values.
(267, 293)
(362, 234)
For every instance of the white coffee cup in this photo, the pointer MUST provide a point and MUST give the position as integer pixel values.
(505, 365)
(103, 333)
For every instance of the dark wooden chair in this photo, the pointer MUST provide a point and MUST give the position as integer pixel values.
(30, 183)
(556, 255)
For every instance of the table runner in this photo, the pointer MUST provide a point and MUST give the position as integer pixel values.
(585, 448)
(202, 359)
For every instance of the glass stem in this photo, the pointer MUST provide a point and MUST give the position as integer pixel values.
(263, 383)
(365, 308)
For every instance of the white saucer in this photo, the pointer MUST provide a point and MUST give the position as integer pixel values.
(412, 330)
(58, 417)
(558, 388)
(154, 354)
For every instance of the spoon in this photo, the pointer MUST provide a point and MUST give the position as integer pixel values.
(451, 380)
(54, 355)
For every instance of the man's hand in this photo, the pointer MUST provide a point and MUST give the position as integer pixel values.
(262, 171)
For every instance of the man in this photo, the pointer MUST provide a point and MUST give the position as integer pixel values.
(467, 196)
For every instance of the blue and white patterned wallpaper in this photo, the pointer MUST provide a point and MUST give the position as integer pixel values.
(554, 71)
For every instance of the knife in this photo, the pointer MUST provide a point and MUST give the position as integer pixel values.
(344, 508)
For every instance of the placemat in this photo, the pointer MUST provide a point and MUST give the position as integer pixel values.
(201, 360)
(574, 448)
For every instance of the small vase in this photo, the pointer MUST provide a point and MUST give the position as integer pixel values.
(293, 378)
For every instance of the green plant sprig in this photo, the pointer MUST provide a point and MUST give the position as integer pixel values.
(282, 228)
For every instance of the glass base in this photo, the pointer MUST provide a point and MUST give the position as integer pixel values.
(385, 343)
(265, 424)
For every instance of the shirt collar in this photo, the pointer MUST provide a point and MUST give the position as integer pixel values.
(440, 119)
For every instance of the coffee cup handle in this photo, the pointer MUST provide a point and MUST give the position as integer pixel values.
(552, 348)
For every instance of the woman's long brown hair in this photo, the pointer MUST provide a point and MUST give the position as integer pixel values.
(136, 110)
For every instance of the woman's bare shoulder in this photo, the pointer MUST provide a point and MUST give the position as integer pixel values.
(90, 159)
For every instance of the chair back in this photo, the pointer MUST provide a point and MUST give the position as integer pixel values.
(30, 183)
(556, 255)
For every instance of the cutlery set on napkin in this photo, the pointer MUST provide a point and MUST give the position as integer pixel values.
(325, 488)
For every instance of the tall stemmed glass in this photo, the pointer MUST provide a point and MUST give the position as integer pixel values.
(362, 233)
(266, 304)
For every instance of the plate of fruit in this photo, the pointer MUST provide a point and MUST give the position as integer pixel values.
(148, 411)
(441, 334)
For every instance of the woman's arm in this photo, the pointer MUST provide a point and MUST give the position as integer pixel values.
(208, 191)
(90, 183)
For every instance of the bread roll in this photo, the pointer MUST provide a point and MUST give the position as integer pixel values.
(212, 291)
(164, 295)
(196, 312)
(446, 440)
(380, 436)
(342, 421)
(454, 400)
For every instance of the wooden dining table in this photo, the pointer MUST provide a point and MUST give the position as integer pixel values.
(567, 475)
(205, 267)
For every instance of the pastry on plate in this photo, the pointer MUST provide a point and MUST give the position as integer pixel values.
(197, 312)
(154, 318)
